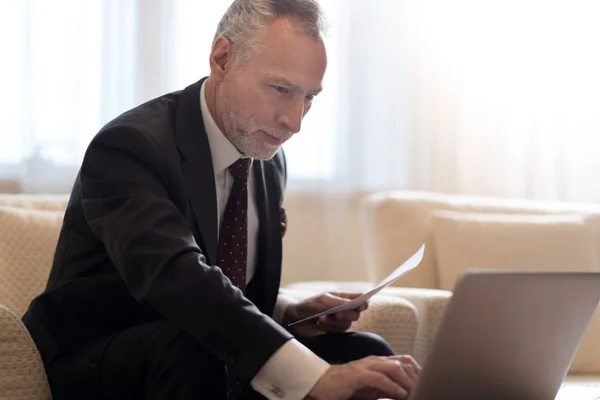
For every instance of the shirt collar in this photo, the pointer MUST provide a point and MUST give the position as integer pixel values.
(223, 152)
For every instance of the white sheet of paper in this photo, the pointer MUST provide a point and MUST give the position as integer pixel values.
(409, 264)
(578, 392)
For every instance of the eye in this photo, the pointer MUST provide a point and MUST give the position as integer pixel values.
(310, 97)
(282, 90)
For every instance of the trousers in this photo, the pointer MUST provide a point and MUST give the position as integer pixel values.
(157, 361)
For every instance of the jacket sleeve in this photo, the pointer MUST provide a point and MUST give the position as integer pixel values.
(124, 189)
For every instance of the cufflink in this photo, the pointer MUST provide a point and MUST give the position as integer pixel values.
(277, 391)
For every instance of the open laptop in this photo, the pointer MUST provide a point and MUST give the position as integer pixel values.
(508, 335)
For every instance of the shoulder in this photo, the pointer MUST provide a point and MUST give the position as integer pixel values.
(152, 119)
(147, 128)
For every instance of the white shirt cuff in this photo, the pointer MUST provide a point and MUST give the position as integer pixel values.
(283, 302)
(290, 373)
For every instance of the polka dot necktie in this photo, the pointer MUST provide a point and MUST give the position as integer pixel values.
(233, 242)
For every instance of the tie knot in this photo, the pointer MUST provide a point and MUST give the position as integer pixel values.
(240, 169)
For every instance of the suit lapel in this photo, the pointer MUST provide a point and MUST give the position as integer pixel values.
(197, 167)
(268, 273)
(262, 201)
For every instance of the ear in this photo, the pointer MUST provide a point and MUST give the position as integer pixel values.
(221, 58)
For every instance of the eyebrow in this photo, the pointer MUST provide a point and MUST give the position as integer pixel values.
(281, 80)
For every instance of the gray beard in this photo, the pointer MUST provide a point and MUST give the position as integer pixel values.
(243, 139)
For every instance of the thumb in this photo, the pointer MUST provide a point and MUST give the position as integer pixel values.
(330, 300)
(347, 295)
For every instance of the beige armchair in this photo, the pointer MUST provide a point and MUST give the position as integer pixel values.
(22, 374)
(28, 232)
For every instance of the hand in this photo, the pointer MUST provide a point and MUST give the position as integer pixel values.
(332, 323)
(370, 378)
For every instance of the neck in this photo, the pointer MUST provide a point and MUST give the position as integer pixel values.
(211, 93)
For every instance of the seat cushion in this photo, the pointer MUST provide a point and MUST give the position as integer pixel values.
(512, 242)
(22, 374)
(27, 242)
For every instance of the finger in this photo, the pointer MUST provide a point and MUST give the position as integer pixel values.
(347, 295)
(334, 322)
(333, 326)
(406, 359)
(380, 382)
(363, 307)
(395, 371)
(410, 371)
(349, 315)
(330, 300)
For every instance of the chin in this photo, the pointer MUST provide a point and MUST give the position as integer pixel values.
(264, 153)
(256, 149)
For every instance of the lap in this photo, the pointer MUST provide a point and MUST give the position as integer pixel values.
(159, 361)
(340, 348)
(162, 362)
(151, 361)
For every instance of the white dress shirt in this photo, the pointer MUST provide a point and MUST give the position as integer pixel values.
(293, 370)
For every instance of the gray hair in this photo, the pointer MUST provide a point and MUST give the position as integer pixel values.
(244, 20)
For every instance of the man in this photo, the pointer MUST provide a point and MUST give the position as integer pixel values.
(166, 273)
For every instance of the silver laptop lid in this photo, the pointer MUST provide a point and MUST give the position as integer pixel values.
(509, 335)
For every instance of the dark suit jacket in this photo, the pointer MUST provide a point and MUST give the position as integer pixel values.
(139, 243)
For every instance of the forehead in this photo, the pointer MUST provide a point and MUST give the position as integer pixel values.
(287, 50)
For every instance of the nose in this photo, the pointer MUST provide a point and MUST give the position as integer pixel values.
(292, 116)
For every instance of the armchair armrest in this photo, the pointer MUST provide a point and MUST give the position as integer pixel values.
(394, 319)
(22, 374)
(391, 317)
(430, 305)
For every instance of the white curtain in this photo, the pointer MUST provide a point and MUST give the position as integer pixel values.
(68, 67)
(478, 97)
(504, 97)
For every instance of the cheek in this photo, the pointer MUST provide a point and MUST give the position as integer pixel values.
(257, 100)
(260, 108)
